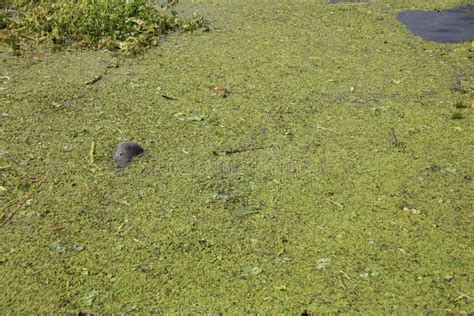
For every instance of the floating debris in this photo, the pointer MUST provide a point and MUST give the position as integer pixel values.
(194, 118)
(168, 97)
(411, 210)
(348, 1)
(323, 263)
(25, 199)
(94, 80)
(221, 91)
(222, 152)
(250, 271)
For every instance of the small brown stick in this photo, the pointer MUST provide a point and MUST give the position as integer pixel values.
(22, 202)
(463, 295)
(94, 80)
(221, 91)
(276, 194)
(345, 274)
(168, 97)
(221, 152)
(58, 229)
(337, 204)
(323, 128)
(341, 281)
(394, 137)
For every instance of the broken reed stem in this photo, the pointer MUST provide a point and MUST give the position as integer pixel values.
(394, 137)
(91, 152)
(222, 152)
(22, 202)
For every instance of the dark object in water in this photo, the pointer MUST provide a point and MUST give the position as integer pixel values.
(125, 152)
(446, 26)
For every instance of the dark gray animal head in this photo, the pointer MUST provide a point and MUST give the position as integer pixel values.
(125, 152)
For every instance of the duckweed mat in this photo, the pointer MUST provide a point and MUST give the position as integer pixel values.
(301, 157)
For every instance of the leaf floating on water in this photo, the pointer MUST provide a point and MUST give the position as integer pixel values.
(3, 153)
(89, 298)
(411, 210)
(250, 271)
(195, 118)
(131, 308)
(242, 211)
(323, 263)
(281, 288)
(56, 247)
(79, 248)
(354, 215)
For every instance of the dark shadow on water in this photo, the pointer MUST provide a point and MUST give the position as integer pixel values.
(447, 26)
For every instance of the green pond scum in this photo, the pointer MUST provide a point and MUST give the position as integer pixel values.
(344, 183)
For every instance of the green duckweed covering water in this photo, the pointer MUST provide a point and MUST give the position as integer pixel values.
(360, 199)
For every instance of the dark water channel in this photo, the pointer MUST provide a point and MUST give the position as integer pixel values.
(446, 26)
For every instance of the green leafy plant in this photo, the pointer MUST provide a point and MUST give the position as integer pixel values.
(129, 26)
(460, 105)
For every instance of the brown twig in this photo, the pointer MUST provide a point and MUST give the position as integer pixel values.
(222, 152)
(463, 295)
(394, 137)
(168, 97)
(22, 202)
(221, 91)
(335, 203)
(345, 274)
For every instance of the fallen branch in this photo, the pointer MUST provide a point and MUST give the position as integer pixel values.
(463, 295)
(168, 97)
(223, 152)
(335, 203)
(394, 137)
(22, 202)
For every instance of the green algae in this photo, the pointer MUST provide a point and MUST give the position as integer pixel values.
(330, 217)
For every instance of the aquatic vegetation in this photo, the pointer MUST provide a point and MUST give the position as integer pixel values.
(331, 180)
(460, 105)
(129, 26)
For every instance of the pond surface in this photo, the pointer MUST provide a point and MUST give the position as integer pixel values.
(347, 1)
(447, 26)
